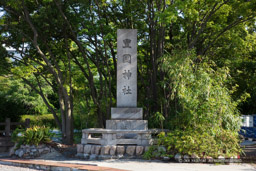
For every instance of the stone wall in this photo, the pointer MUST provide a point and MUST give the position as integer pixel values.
(110, 151)
(32, 151)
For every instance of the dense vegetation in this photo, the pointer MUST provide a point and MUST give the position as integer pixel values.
(196, 61)
(32, 136)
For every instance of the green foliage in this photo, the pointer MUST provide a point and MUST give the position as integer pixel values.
(199, 93)
(10, 109)
(77, 39)
(150, 153)
(18, 99)
(201, 142)
(32, 136)
(157, 120)
(205, 120)
(154, 152)
(40, 120)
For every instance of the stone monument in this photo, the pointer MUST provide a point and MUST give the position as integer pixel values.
(126, 115)
(126, 134)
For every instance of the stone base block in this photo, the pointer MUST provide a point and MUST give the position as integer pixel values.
(111, 152)
(127, 113)
(127, 124)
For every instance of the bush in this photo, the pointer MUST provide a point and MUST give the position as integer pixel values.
(201, 143)
(204, 118)
(32, 136)
(199, 94)
(40, 120)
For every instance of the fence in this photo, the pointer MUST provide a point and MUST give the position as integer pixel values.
(7, 131)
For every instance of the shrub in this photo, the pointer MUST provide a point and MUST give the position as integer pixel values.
(204, 118)
(32, 136)
(201, 143)
(200, 94)
(40, 120)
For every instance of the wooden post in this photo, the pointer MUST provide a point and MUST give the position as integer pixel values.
(7, 127)
(27, 123)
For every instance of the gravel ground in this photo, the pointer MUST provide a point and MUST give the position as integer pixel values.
(13, 168)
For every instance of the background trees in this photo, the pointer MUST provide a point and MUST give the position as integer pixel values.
(65, 51)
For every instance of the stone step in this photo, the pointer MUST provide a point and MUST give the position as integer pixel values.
(127, 113)
(127, 124)
(99, 141)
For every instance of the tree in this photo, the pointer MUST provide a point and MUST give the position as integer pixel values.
(70, 46)
(40, 57)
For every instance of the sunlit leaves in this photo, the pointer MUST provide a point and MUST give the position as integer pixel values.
(200, 91)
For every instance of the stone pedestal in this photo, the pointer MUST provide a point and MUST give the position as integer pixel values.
(114, 143)
(129, 113)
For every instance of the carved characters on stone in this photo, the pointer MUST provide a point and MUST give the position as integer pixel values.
(127, 90)
(127, 58)
(127, 74)
(127, 43)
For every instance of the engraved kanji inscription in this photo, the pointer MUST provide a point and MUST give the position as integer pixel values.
(127, 43)
(127, 90)
(127, 74)
(126, 58)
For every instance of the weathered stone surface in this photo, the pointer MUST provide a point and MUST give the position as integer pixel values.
(80, 148)
(104, 157)
(21, 153)
(46, 150)
(178, 157)
(41, 146)
(97, 149)
(87, 149)
(93, 157)
(147, 142)
(28, 150)
(86, 156)
(34, 150)
(128, 141)
(107, 137)
(139, 150)
(126, 68)
(194, 156)
(166, 158)
(146, 148)
(112, 151)
(146, 136)
(80, 155)
(93, 149)
(130, 150)
(12, 149)
(186, 158)
(120, 150)
(161, 149)
(127, 113)
(127, 124)
(105, 150)
(25, 155)
(17, 152)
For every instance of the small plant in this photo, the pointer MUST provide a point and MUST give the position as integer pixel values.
(32, 136)
(150, 153)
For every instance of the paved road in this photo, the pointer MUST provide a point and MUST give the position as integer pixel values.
(143, 165)
(13, 168)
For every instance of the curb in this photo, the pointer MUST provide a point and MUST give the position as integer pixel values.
(54, 166)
